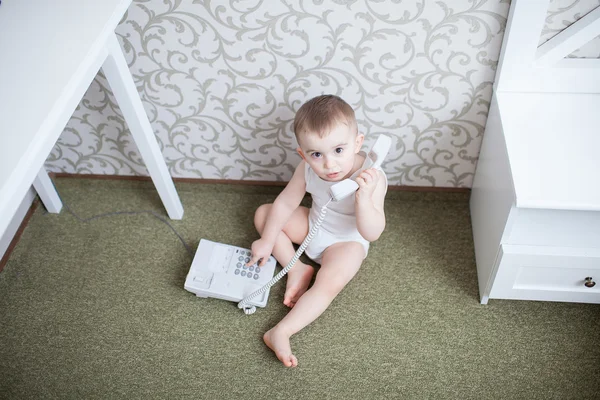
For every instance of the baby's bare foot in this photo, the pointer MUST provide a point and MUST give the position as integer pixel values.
(279, 342)
(298, 280)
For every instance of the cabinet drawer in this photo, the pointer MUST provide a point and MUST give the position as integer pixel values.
(547, 273)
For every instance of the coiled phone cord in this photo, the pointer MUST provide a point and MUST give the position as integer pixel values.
(250, 309)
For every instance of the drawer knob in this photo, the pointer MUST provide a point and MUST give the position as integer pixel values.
(589, 282)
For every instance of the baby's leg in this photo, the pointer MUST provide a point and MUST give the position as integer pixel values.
(294, 231)
(340, 263)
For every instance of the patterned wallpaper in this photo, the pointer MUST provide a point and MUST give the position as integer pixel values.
(561, 14)
(222, 79)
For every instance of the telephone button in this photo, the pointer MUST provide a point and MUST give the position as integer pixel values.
(243, 273)
(237, 271)
(257, 270)
(251, 269)
(255, 276)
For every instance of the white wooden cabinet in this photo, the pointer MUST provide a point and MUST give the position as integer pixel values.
(535, 202)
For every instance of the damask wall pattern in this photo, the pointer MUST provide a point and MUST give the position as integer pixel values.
(222, 79)
(561, 14)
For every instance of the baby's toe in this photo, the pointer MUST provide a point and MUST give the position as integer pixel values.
(289, 361)
(289, 302)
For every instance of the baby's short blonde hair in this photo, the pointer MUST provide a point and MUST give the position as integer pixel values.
(321, 114)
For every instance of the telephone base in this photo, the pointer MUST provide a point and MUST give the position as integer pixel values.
(218, 270)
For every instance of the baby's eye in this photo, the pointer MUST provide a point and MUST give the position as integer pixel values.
(339, 150)
(316, 154)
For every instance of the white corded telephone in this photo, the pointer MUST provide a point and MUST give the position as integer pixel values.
(218, 270)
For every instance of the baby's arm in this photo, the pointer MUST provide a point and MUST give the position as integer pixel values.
(283, 207)
(370, 216)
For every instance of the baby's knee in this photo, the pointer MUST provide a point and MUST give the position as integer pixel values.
(335, 285)
(260, 216)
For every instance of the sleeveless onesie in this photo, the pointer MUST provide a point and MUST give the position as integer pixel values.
(339, 224)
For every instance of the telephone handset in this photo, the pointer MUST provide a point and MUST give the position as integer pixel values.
(374, 159)
(218, 270)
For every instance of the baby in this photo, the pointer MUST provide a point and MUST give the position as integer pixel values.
(329, 141)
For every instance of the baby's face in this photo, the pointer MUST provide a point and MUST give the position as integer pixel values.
(331, 157)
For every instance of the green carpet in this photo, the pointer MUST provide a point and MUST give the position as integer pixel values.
(98, 310)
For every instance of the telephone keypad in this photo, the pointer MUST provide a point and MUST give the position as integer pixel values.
(245, 271)
(242, 270)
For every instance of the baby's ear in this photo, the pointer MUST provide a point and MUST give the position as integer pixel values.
(299, 150)
(360, 138)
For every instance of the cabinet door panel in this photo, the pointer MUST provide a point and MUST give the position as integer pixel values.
(556, 228)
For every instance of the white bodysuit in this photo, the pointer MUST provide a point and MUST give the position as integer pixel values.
(339, 224)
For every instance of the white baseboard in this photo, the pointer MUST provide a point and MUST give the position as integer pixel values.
(16, 221)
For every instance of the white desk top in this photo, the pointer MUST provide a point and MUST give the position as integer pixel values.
(553, 143)
(46, 48)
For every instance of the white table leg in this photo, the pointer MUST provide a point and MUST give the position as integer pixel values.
(121, 82)
(45, 189)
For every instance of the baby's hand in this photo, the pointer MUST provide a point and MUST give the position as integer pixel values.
(367, 182)
(261, 251)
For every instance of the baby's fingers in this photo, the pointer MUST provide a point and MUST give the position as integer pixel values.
(263, 261)
(361, 181)
(253, 259)
(370, 174)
